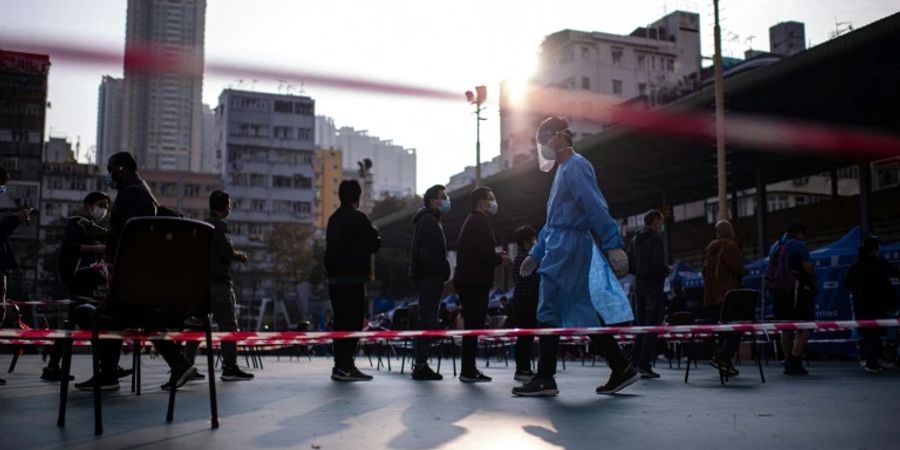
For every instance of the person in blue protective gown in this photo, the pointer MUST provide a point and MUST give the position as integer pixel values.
(580, 255)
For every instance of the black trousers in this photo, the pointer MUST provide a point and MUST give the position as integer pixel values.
(648, 310)
(474, 300)
(222, 307)
(429, 290)
(525, 313)
(605, 343)
(871, 340)
(348, 301)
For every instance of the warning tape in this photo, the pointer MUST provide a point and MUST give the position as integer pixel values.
(385, 334)
(38, 302)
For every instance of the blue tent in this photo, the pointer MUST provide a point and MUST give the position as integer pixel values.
(684, 276)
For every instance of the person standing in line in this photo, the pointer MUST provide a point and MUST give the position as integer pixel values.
(8, 225)
(351, 240)
(650, 271)
(525, 302)
(475, 262)
(429, 269)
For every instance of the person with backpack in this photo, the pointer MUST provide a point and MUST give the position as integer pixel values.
(723, 270)
(791, 283)
(869, 279)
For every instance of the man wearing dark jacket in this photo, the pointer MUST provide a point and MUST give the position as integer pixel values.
(475, 262)
(221, 291)
(134, 199)
(351, 240)
(8, 261)
(650, 271)
(429, 270)
(869, 279)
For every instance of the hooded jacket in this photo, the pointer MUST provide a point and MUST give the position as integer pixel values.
(723, 270)
(428, 251)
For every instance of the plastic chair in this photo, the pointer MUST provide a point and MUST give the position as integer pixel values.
(161, 278)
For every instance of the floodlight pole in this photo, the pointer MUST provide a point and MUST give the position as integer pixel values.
(721, 173)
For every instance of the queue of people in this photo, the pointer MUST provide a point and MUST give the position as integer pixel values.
(566, 275)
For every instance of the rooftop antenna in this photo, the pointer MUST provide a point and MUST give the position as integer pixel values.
(253, 86)
(840, 28)
(281, 84)
(77, 147)
(749, 41)
(302, 91)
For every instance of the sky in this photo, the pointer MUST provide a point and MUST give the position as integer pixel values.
(451, 46)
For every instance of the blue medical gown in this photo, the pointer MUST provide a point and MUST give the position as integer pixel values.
(577, 282)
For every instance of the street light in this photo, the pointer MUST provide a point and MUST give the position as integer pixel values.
(477, 99)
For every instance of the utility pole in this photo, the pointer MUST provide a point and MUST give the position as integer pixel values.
(720, 117)
(477, 99)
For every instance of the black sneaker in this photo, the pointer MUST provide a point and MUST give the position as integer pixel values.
(424, 373)
(793, 365)
(106, 384)
(122, 373)
(235, 374)
(725, 366)
(349, 375)
(199, 376)
(2, 382)
(476, 377)
(182, 375)
(537, 386)
(53, 374)
(619, 380)
(648, 373)
(523, 375)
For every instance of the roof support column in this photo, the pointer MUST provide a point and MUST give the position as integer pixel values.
(865, 189)
(834, 184)
(762, 213)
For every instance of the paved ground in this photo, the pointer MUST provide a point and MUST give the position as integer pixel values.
(293, 404)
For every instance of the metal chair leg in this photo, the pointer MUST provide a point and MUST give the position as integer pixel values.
(95, 357)
(213, 402)
(64, 383)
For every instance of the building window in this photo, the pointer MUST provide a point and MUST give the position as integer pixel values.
(302, 182)
(168, 189)
(257, 205)
(642, 60)
(258, 180)
(670, 65)
(284, 107)
(304, 134)
(191, 190)
(239, 179)
(584, 53)
(617, 55)
(281, 181)
(282, 132)
(617, 87)
(642, 88)
(304, 109)
(585, 83)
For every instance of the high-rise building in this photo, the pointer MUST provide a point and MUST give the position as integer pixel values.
(109, 119)
(23, 106)
(787, 38)
(651, 62)
(187, 192)
(393, 169)
(211, 160)
(59, 150)
(329, 172)
(268, 165)
(163, 124)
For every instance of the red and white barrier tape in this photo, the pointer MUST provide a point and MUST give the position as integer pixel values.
(64, 301)
(304, 336)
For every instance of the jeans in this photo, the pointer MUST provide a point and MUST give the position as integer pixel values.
(474, 301)
(648, 311)
(348, 301)
(429, 290)
(222, 306)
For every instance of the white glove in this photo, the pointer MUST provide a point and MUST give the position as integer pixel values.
(619, 261)
(528, 266)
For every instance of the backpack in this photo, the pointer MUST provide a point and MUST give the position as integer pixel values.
(779, 276)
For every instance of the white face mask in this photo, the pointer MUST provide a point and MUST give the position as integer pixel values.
(98, 213)
(493, 207)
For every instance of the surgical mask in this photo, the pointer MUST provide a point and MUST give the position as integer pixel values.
(2, 191)
(110, 182)
(444, 208)
(98, 213)
(493, 207)
(546, 152)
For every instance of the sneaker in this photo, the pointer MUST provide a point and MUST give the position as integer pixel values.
(476, 377)
(106, 384)
(619, 380)
(725, 366)
(182, 375)
(349, 375)
(199, 376)
(537, 386)
(122, 373)
(793, 365)
(523, 375)
(648, 373)
(424, 373)
(2, 382)
(875, 369)
(53, 374)
(235, 374)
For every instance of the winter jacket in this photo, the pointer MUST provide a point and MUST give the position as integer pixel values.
(869, 279)
(133, 199)
(223, 253)
(723, 270)
(80, 230)
(8, 261)
(476, 256)
(649, 257)
(428, 251)
(350, 241)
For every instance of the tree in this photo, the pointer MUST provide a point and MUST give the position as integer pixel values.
(292, 251)
(389, 204)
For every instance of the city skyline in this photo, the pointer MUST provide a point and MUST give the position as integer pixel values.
(442, 47)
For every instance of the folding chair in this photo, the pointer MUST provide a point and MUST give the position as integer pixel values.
(161, 278)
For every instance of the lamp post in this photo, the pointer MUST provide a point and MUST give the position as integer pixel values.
(477, 99)
(721, 173)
